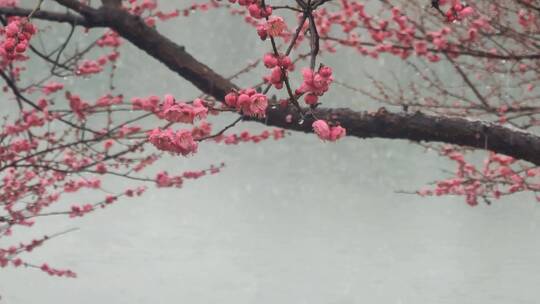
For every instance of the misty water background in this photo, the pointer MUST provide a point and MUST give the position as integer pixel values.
(293, 221)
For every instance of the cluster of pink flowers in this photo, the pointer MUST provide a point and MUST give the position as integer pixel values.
(56, 272)
(30, 119)
(202, 130)
(458, 11)
(526, 18)
(145, 162)
(109, 100)
(278, 64)
(458, 185)
(315, 84)
(255, 8)
(149, 9)
(9, 3)
(180, 142)
(170, 15)
(137, 191)
(77, 105)
(9, 255)
(495, 179)
(273, 27)
(438, 38)
(245, 136)
(126, 130)
(195, 7)
(395, 35)
(109, 39)
(17, 34)
(182, 112)
(23, 145)
(172, 110)
(89, 67)
(150, 104)
(198, 174)
(80, 211)
(75, 185)
(75, 161)
(326, 132)
(271, 60)
(109, 199)
(52, 87)
(101, 168)
(257, 11)
(144, 5)
(164, 180)
(248, 101)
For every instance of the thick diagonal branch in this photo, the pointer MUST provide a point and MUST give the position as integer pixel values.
(419, 127)
(381, 124)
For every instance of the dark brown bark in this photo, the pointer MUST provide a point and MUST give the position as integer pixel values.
(381, 124)
(113, 3)
(419, 127)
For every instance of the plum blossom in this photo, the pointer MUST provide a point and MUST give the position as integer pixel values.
(180, 142)
(18, 33)
(52, 87)
(164, 180)
(275, 26)
(248, 101)
(315, 83)
(322, 129)
(181, 112)
(326, 132)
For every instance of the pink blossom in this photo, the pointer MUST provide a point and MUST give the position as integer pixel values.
(109, 199)
(262, 31)
(275, 26)
(181, 112)
(325, 132)
(163, 180)
(52, 87)
(150, 104)
(77, 105)
(18, 33)
(311, 99)
(88, 67)
(322, 129)
(248, 101)
(466, 12)
(337, 132)
(201, 131)
(270, 60)
(257, 105)
(180, 142)
(315, 83)
(420, 47)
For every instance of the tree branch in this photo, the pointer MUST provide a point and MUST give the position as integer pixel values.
(45, 15)
(113, 3)
(381, 124)
(421, 127)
